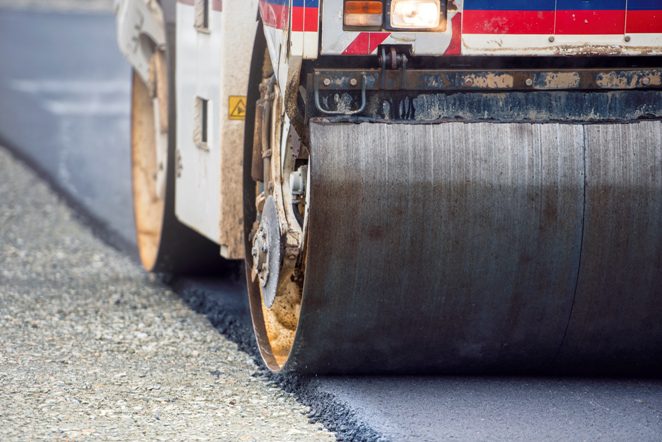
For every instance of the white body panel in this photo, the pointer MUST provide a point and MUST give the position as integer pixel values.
(199, 56)
(213, 64)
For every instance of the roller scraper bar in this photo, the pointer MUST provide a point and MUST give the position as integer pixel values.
(505, 95)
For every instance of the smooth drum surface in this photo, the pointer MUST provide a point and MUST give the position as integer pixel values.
(483, 247)
(617, 317)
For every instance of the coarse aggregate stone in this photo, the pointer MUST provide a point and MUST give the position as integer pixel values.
(92, 347)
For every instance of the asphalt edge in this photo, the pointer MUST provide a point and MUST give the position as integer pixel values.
(325, 408)
(82, 214)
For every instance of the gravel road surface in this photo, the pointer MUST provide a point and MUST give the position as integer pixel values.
(94, 348)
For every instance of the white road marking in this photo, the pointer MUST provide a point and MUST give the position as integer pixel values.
(86, 107)
(71, 86)
(78, 97)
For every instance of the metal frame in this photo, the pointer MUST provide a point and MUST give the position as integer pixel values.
(494, 80)
(140, 32)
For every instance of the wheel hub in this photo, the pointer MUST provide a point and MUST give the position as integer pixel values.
(266, 252)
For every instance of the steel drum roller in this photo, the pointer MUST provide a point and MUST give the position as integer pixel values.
(481, 247)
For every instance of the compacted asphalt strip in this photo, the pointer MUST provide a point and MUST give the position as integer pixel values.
(64, 107)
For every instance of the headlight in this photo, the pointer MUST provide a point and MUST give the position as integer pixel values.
(415, 14)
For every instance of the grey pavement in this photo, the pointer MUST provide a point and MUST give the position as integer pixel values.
(365, 408)
(93, 348)
(65, 101)
(59, 5)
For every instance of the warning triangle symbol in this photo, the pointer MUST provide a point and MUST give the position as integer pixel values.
(238, 108)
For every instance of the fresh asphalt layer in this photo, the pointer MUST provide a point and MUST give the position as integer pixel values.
(64, 108)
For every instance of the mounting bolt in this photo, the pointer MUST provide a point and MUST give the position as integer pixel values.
(353, 82)
(551, 39)
(626, 38)
(529, 82)
(645, 81)
(327, 82)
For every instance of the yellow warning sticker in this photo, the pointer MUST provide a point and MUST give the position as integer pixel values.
(237, 107)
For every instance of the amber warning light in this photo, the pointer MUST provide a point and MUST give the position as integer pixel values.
(364, 14)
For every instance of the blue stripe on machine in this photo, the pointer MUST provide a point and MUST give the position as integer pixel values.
(590, 5)
(644, 5)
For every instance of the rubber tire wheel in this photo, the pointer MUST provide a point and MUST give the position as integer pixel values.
(180, 250)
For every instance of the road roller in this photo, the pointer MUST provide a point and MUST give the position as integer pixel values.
(412, 186)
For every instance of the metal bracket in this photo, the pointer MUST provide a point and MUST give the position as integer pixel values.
(391, 59)
(364, 100)
(140, 32)
(497, 80)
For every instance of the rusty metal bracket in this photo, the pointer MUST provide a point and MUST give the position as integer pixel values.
(352, 83)
(393, 58)
(439, 80)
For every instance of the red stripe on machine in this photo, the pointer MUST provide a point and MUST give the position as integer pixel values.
(590, 22)
(574, 22)
(508, 22)
(366, 43)
(305, 19)
(455, 46)
(644, 22)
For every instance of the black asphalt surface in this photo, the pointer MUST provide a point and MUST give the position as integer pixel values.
(64, 108)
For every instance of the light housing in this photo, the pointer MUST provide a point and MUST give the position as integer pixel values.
(363, 14)
(416, 15)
